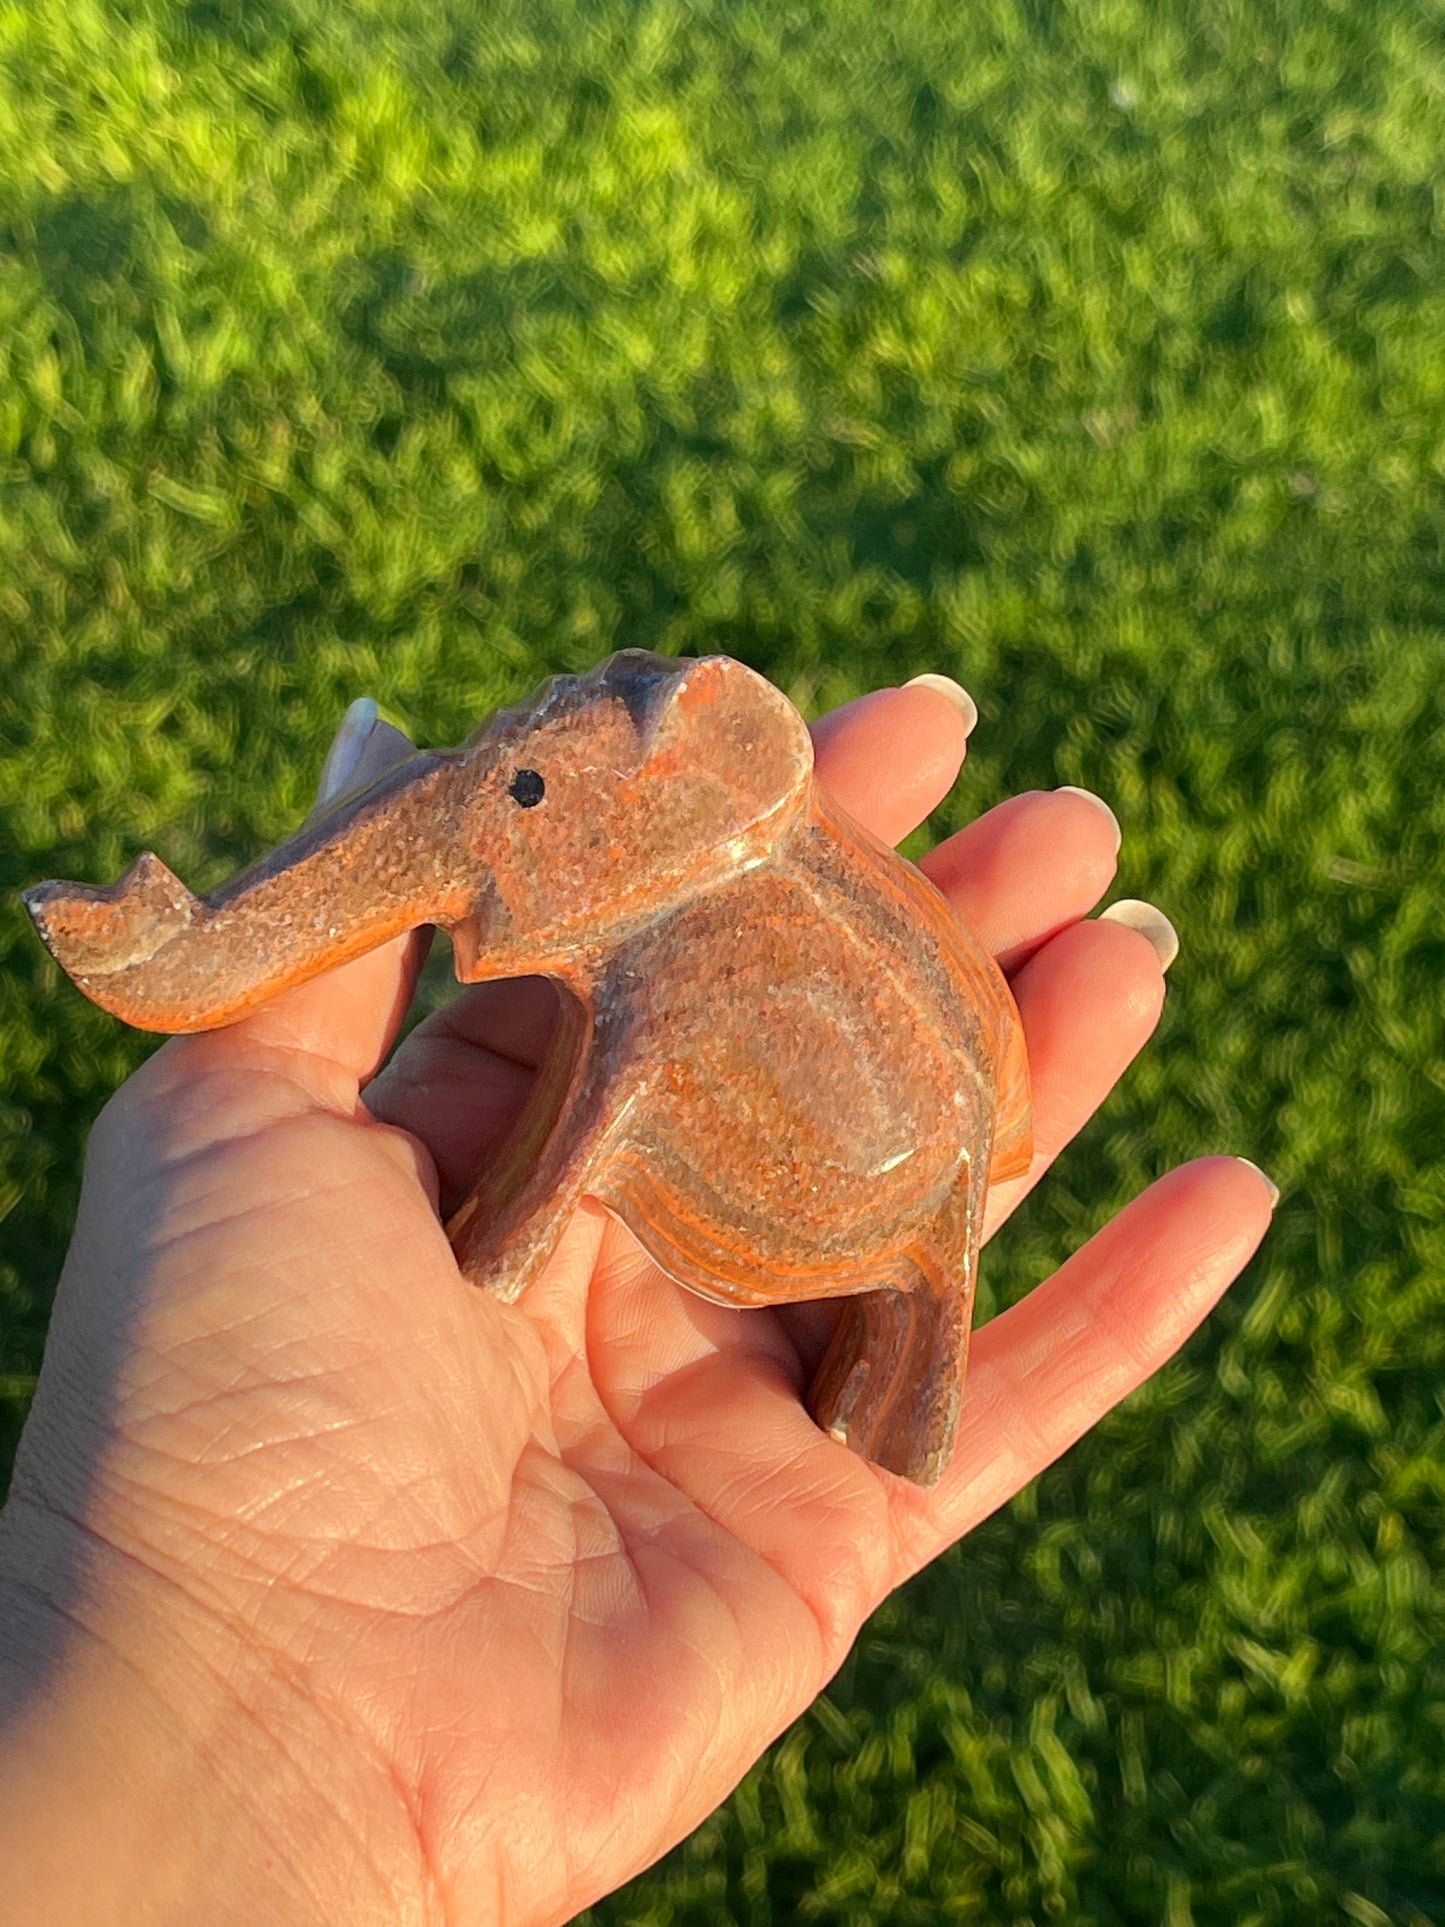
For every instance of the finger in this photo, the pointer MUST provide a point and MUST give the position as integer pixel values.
(893, 755)
(1028, 868)
(1090, 1000)
(1050, 1367)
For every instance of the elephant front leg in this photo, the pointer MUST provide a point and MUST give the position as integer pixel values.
(510, 1224)
(891, 1381)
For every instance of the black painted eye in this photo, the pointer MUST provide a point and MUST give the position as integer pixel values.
(527, 788)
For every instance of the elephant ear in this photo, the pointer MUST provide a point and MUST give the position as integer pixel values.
(727, 761)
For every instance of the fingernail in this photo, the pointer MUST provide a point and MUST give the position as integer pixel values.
(1149, 922)
(956, 694)
(1072, 789)
(344, 755)
(1270, 1184)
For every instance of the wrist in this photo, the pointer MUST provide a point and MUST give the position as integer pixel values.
(155, 1765)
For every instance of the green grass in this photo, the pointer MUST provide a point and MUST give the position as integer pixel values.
(1093, 352)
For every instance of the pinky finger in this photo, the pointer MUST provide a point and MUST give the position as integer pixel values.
(1051, 1366)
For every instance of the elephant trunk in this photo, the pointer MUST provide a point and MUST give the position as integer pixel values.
(149, 951)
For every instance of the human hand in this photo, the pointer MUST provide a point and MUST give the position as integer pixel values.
(341, 1591)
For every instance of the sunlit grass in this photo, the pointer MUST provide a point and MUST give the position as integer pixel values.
(1093, 353)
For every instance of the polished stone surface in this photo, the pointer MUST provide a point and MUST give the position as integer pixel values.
(784, 1063)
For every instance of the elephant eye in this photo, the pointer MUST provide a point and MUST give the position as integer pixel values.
(527, 788)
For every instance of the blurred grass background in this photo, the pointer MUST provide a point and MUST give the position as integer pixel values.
(1092, 351)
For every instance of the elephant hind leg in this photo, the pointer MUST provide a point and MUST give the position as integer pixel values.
(891, 1381)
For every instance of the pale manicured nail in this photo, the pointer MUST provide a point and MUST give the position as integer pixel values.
(344, 755)
(956, 694)
(1270, 1184)
(1149, 922)
(1072, 789)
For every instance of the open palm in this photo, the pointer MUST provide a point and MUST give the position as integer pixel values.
(519, 1592)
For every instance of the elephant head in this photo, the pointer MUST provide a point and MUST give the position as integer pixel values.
(555, 829)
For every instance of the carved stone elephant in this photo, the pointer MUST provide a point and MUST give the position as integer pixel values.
(784, 1063)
